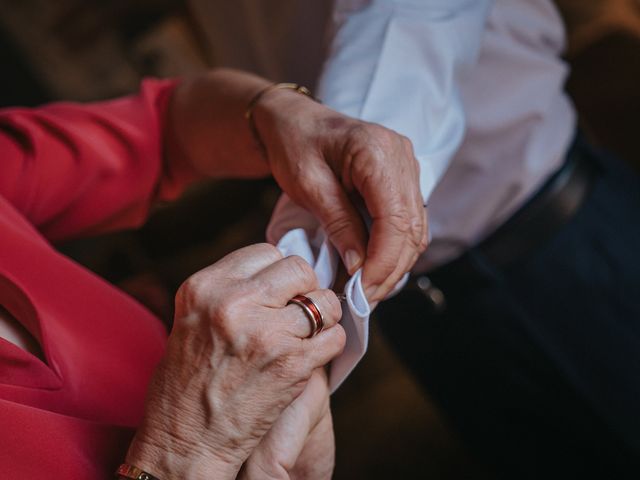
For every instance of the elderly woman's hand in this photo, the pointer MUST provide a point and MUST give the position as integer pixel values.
(323, 160)
(300, 445)
(236, 358)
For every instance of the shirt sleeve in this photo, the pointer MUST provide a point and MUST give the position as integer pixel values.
(75, 169)
(398, 63)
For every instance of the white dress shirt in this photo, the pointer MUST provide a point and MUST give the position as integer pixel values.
(477, 85)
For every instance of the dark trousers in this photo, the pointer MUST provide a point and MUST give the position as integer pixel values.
(537, 365)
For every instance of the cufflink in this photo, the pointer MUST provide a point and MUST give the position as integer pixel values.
(433, 294)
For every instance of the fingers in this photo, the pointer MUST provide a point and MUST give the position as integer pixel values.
(387, 178)
(279, 450)
(355, 157)
(325, 346)
(392, 251)
(317, 459)
(406, 261)
(326, 198)
(297, 323)
(280, 281)
(245, 262)
(386, 252)
(391, 254)
(314, 400)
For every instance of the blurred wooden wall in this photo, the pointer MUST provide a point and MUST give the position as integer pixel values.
(604, 53)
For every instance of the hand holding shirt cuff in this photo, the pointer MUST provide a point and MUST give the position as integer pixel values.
(312, 244)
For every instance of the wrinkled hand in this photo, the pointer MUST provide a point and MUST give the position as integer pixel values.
(324, 161)
(236, 358)
(300, 445)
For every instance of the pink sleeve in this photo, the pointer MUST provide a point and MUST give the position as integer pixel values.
(75, 169)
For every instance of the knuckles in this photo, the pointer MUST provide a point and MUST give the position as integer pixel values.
(290, 364)
(265, 250)
(338, 224)
(292, 368)
(300, 271)
(190, 293)
(225, 311)
(259, 348)
(332, 309)
(406, 143)
(402, 222)
(379, 142)
(305, 176)
(382, 148)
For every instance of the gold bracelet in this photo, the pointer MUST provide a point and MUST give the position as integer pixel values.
(129, 471)
(248, 114)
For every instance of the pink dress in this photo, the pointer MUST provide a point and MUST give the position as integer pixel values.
(68, 170)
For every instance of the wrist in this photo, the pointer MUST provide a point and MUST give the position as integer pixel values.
(207, 133)
(280, 100)
(177, 150)
(271, 100)
(179, 463)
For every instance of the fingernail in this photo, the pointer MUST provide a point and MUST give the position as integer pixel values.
(351, 260)
(370, 291)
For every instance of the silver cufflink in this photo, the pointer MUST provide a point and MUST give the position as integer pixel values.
(433, 294)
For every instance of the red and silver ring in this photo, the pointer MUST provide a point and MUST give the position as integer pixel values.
(312, 312)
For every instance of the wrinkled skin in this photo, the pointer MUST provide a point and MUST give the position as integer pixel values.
(325, 161)
(300, 445)
(236, 358)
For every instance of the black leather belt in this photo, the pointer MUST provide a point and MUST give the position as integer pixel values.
(555, 203)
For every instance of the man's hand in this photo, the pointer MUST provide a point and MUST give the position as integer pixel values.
(327, 163)
(300, 444)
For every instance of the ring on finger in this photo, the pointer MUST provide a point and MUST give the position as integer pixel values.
(312, 312)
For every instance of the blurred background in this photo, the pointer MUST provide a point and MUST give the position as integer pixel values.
(87, 50)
